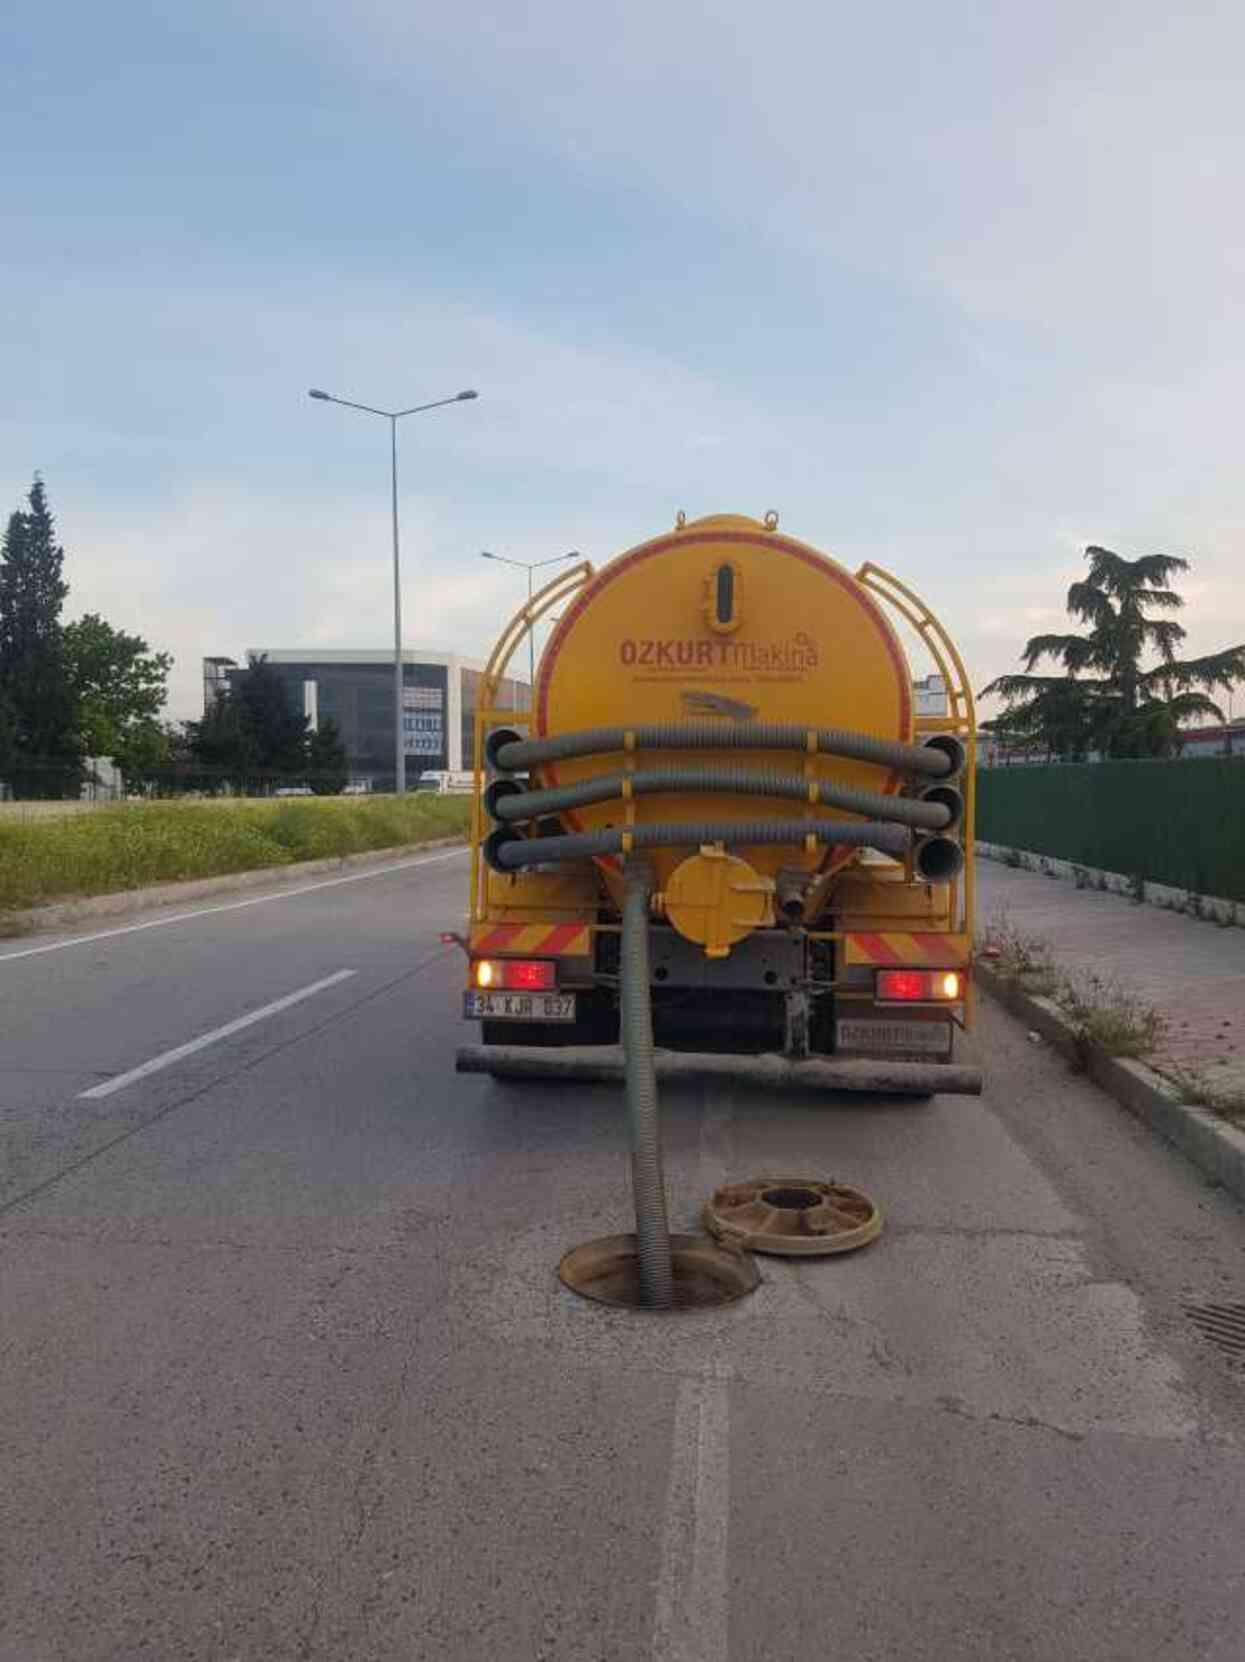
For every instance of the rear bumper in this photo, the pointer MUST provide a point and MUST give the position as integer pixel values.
(596, 1063)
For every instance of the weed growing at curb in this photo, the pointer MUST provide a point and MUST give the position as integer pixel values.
(1197, 1086)
(1100, 1009)
(1018, 954)
(1104, 1012)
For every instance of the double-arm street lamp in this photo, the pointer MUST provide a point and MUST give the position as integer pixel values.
(529, 566)
(393, 417)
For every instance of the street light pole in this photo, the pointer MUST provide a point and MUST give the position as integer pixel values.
(530, 566)
(393, 417)
(399, 673)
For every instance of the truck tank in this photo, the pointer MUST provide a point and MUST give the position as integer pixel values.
(724, 622)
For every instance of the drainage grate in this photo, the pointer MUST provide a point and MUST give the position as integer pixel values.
(1222, 1324)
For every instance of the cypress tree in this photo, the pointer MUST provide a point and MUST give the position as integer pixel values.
(36, 692)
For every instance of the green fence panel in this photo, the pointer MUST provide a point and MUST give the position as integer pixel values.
(1177, 822)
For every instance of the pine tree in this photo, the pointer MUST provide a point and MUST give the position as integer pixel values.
(1120, 708)
(35, 687)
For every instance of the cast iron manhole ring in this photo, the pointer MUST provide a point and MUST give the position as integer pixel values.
(793, 1216)
(707, 1273)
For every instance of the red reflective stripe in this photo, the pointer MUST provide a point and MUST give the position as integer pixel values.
(497, 939)
(557, 940)
(943, 948)
(879, 952)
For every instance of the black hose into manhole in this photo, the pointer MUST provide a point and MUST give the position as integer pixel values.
(652, 1227)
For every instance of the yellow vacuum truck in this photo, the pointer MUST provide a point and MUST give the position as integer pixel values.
(723, 742)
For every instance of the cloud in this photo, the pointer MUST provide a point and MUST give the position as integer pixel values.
(955, 290)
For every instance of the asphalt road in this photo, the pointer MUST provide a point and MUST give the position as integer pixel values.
(287, 1373)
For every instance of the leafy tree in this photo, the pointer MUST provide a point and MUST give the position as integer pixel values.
(328, 767)
(221, 746)
(119, 684)
(251, 736)
(1107, 700)
(144, 754)
(35, 686)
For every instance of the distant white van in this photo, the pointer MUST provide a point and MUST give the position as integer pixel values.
(446, 784)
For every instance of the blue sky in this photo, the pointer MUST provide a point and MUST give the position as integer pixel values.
(956, 289)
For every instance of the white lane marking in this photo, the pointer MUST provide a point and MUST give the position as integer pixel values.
(692, 1603)
(230, 906)
(168, 1057)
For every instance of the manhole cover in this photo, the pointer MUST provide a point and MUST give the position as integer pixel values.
(705, 1273)
(1222, 1324)
(792, 1216)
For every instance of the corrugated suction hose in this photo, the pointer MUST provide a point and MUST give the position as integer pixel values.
(652, 1227)
(936, 809)
(506, 850)
(941, 758)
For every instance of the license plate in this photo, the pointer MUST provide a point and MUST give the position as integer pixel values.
(519, 1006)
(889, 1038)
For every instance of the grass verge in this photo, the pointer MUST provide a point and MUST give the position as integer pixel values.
(128, 847)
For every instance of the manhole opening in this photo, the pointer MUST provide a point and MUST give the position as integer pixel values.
(1222, 1323)
(706, 1274)
(792, 1200)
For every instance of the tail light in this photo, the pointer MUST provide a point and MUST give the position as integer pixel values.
(912, 986)
(523, 975)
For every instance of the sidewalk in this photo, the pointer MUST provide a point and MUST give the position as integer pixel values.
(1193, 972)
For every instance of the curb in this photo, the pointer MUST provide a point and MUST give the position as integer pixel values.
(1212, 1144)
(42, 919)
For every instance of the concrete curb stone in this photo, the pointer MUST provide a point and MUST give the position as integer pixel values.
(42, 919)
(1211, 1143)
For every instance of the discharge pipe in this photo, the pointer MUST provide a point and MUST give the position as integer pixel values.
(936, 809)
(940, 758)
(652, 1227)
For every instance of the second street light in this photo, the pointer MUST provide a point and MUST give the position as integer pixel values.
(393, 417)
(529, 566)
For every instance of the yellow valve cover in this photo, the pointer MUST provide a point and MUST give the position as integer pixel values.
(715, 899)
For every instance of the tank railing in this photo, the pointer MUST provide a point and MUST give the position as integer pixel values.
(961, 720)
(567, 582)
